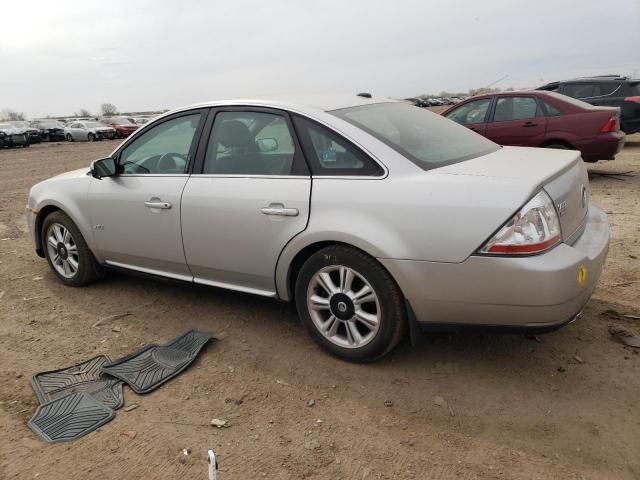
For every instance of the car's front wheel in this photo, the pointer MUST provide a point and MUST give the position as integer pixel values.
(69, 137)
(67, 252)
(350, 304)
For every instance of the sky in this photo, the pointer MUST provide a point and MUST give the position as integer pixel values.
(59, 57)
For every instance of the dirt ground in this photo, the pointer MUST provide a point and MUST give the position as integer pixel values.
(515, 407)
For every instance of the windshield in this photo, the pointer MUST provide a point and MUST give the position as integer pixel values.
(93, 124)
(635, 88)
(4, 126)
(50, 125)
(427, 139)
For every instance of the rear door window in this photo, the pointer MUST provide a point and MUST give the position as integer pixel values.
(250, 143)
(515, 108)
(330, 154)
(579, 90)
(609, 90)
(548, 109)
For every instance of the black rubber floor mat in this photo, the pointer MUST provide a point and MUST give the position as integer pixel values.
(69, 417)
(153, 365)
(85, 377)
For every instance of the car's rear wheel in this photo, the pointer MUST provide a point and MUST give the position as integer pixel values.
(69, 137)
(557, 146)
(67, 252)
(350, 304)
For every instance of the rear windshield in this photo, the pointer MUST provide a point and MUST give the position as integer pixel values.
(572, 101)
(427, 139)
(121, 121)
(635, 88)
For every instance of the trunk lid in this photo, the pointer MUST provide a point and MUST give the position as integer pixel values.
(561, 173)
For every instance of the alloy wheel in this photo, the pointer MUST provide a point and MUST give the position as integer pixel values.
(62, 250)
(343, 306)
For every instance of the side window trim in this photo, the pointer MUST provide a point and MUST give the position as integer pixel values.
(340, 173)
(300, 167)
(195, 142)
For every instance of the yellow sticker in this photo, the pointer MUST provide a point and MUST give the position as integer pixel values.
(582, 275)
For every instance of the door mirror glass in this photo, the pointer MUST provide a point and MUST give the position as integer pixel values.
(267, 144)
(104, 167)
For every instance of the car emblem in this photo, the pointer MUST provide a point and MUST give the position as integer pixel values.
(562, 207)
(342, 307)
(584, 196)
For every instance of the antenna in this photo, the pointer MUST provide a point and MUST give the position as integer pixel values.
(499, 80)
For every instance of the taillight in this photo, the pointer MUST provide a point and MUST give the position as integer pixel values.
(635, 99)
(611, 125)
(534, 229)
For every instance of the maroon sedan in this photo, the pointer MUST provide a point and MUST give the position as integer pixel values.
(124, 127)
(543, 119)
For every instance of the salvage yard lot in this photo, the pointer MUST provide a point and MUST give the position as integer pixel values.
(562, 405)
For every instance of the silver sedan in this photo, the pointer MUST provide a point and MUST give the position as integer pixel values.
(375, 217)
(89, 131)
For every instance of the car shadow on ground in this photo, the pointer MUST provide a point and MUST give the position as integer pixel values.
(162, 309)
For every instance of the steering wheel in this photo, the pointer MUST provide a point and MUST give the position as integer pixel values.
(171, 161)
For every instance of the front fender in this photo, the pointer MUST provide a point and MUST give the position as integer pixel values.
(68, 194)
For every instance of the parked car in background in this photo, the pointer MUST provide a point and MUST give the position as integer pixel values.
(88, 131)
(605, 91)
(12, 136)
(375, 217)
(33, 134)
(50, 130)
(543, 119)
(141, 120)
(123, 126)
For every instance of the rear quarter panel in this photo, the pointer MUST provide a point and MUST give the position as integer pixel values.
(577, 127)
(427, 216)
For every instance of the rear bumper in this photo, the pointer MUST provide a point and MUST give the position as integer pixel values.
(538, 292)
(604, 146)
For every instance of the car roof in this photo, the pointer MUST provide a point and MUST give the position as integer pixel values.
(323, 102)
(516, 93)
(596, 78)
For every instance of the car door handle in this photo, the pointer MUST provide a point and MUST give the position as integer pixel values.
(157, 204)
(529, 124)
(280, 211)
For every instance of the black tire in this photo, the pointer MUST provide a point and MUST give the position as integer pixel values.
(91, 137)
(69, 137)
(392, 321)
(88, 270)
(557, 146)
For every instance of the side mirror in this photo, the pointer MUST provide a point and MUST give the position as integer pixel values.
(267, 144)
(104, 167)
